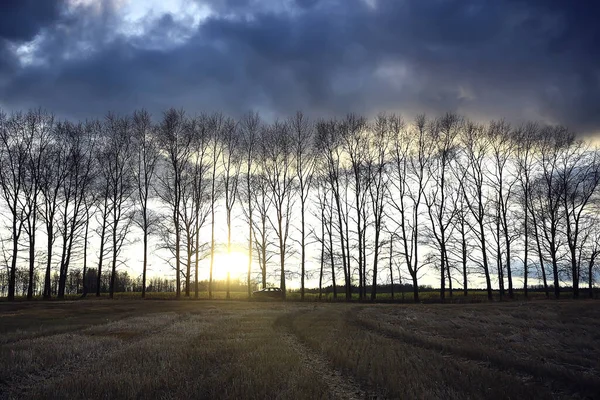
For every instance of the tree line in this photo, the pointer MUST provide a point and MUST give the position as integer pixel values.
(360, 198)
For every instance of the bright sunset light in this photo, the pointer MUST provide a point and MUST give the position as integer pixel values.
(235, 262)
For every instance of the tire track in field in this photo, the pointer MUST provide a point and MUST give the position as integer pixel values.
(559, 384)
(19, 387)
(341, 386)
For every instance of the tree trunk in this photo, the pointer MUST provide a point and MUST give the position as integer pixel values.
(333, 282)
(486, 268)
(47, 278)
(464, 261)
(574, 271)
(303, 255)
(145, 262)
(31, 261)
(101, 257)
(114, 259)
(250, 244)
(196, 261)
(190, 251)
(375, 261)
(391, 266)
(13, 264)
(526, 251)
(281, 254)
(85, 246)
(591, 278)
(228, 296)
(212, 241)
(555, 271)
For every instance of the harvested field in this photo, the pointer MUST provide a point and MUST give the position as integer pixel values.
(258, 350)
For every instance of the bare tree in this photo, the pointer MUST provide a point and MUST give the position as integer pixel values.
(231, 165)
(579, 176)
(102, 205)
(218, 122)
(591, 248)
(355, 142)
(525, 138)
(250, 127)
(80, 141)
(332, 169)
(322, 198)
(408, 179)
(53, 174)
(120, 161)
(262, 204)
(376, 166)
(503, 149)
(175, 138)
(14, 152)
(202, 198)
(440, 207)
(476, 147)
(302, 131)
(279, 168)
(147, 154)
(38, 128)
(548, 194)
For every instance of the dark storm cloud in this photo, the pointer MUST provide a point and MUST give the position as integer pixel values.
(23, 19)
(20, 21)
(488, 59)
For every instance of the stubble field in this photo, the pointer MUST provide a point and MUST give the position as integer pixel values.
(260, 350)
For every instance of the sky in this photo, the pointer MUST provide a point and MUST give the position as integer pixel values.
(487, 59)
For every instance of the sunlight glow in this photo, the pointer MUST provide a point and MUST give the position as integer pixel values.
(235, 262)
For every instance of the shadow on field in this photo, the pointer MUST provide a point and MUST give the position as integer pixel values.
(265, 350)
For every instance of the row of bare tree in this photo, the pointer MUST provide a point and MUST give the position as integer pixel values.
(360, 198)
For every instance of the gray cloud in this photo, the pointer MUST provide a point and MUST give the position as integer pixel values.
(487, 59)
(23, 19)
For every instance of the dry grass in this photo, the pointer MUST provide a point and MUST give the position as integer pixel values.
(168, 349)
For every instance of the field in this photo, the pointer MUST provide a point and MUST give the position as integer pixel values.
(234, 349)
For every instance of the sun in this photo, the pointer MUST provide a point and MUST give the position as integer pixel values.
(236, 263)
